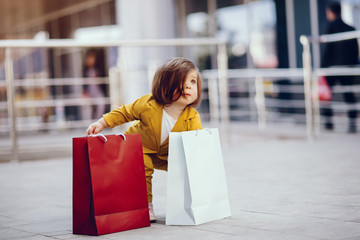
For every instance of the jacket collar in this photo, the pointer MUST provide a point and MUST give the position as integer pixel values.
(187, 114)
(180, 125)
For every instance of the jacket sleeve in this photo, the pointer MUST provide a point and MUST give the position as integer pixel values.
(126, 113)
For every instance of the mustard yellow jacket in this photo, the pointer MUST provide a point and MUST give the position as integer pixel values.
(148, 114)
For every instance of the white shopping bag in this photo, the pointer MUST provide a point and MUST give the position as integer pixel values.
(196, 184)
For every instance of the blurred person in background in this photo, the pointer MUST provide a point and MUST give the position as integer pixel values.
(336, 54)
(93, 68)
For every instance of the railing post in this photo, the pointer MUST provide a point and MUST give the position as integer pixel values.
(213, 97)
(306, 55)
(260, 102)
(117, 86)
(316, 105)
(10, 92)
(223, 86)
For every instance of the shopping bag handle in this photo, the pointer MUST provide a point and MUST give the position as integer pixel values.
(104, 139)
(123, 135)
(101, 136)
(208, 129)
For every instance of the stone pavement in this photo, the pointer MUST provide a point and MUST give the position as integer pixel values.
(280, 187)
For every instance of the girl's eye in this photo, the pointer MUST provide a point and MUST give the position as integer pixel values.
(193, 81)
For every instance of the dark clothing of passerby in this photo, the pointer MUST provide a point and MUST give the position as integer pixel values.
(341, 53)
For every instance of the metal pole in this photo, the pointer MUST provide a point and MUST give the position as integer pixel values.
(9, 75)
(307, 87)
(316, 55)
(223, 87)
(213, 101)
(213, 84)
(249, 60)
(316, 104)
(260, 102)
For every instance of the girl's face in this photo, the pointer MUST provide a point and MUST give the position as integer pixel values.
(190, 89)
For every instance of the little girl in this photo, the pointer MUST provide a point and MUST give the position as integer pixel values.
(176, 90)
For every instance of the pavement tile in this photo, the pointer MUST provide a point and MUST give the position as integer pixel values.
(352, 238)
(37, 237)
(10, 222)
(66, 236)
(252, 232)
(170, 232)
(10, 233)
(47, 228)
(296, 225)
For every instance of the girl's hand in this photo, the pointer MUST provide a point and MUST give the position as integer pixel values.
(94, 128)
(97, 127)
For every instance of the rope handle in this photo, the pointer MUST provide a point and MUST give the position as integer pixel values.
(104, 139)
(121, 134)
(208, 129)
(101, 136)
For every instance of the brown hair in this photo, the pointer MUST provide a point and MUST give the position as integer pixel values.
(169, 79)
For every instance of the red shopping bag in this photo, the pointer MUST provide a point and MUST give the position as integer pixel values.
(109, 187)
(324, 89)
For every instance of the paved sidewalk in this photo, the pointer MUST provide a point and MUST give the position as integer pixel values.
(280, 186)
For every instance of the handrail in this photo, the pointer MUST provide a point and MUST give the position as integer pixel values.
(36, 82)
(58, 43)
(337, 71)
(286, 72)
(335, 37)
(255, 72)
(61, 102)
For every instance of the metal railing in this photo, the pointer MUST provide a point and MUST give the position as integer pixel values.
(311, 76)
(11, 83)
(254, 85)
(251, 84)
(44, 83)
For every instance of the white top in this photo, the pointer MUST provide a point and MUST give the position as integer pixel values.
(167, 125)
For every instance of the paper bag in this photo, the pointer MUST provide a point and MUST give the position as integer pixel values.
(196, 184)
(109, 188)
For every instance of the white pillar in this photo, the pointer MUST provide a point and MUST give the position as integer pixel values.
(143, 19)
(314, 22)
(290, 26)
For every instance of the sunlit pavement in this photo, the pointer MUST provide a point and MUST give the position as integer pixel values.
(280, 185)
